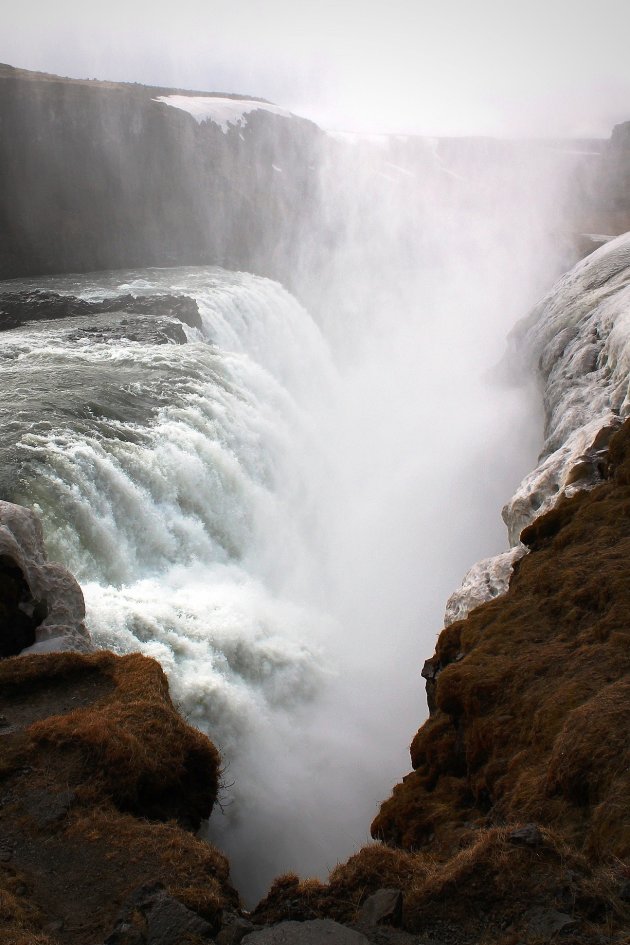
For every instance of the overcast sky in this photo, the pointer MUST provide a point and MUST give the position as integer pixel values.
(449, 67)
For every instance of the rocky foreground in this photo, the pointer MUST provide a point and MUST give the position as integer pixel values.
(512, 828)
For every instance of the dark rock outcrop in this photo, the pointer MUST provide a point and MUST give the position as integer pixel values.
(152, 917)
(41, 604)
(19, 308)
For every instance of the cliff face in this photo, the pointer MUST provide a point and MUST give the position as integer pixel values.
(529, 694)
(100, 175)
(514, 824)
(97, 175)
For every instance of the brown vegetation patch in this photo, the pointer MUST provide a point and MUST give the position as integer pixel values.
(124, 727)
(94, 760)
(492, 891)
(514, 825)
(531, 714)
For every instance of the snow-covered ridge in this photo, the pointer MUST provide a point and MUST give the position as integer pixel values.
(577, 339)
(225, 112)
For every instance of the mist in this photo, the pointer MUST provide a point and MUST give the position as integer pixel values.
(336, 451)
(489, 67)
(420, 440)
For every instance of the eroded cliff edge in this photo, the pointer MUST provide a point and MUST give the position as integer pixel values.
(102, 786)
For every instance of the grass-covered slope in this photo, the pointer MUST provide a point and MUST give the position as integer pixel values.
(530, 693)
(101, 785)
(516, 815)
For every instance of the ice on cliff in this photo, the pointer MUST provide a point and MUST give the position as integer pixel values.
(577, 341)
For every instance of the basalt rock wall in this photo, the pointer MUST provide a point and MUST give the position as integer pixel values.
(97, 175)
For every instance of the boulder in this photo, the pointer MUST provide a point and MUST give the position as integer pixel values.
(41, 604)
(383, 906)
(234, 928)
(528, 836)
(152, 917)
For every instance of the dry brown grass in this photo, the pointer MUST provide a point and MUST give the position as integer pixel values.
(349, 884)
(530, 723)
(101, 731)
(20, 920)
(193, 871)
(132, 741)
(482, 893)
(531, 715)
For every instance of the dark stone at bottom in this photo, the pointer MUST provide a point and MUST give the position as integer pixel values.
(314, 932)
(152, 917)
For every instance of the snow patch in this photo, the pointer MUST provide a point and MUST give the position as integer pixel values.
(225, 112)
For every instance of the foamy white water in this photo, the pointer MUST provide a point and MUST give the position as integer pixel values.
(280, 533)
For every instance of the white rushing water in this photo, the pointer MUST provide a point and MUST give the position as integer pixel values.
(278, 509)
(279, 532)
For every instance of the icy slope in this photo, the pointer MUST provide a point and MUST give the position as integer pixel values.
(577, 340)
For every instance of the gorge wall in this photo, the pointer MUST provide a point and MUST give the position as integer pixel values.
(99, 175)
(512, 826)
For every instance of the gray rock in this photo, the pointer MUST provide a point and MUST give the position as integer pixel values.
(46, 808)
(384, 906)
(233, 928)
(528, 836)
(314, 932)
(544, 923)
(42, 604)
(152, 917)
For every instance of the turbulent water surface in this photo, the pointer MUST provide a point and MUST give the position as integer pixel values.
(265, 521)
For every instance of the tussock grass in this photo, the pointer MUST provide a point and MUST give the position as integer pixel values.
(530, 724)
(193, 871)
(20, 919)
(132, 741)
(101, 730)
(532, 714)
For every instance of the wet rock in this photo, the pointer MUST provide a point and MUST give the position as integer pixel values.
(545, 923)
(383, 906)
(430, 671)
(528, 836)
(45, 808)
(152, 917)
(233, 929)
(41, 605)
(21, 307)
(20, 613)
(314, 932)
